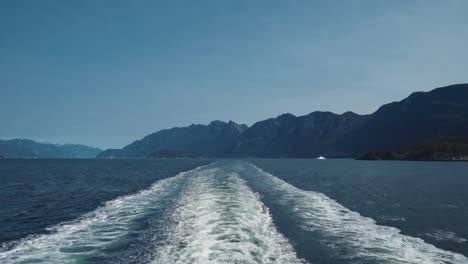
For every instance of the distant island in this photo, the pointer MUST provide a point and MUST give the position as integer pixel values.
(25, 148)
(438, 149)
(168, 153)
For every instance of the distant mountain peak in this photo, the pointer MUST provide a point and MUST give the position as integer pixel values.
(217, 123)
(286, 115)
(349, 113)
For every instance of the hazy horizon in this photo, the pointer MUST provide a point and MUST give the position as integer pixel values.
(110, 72)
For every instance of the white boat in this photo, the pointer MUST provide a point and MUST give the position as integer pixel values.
(321, 158)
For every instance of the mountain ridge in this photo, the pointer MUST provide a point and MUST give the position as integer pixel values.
(213, 139)
(440, 112)
(422, 115)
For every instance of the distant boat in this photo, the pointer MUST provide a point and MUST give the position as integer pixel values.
(321, 158)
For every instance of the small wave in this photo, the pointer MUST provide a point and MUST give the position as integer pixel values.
(390, 218)
(442, 235)
(362, 238)
(218, 219)
(91, 232)
(448, 206)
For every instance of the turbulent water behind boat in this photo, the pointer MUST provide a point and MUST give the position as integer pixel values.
(228, 212)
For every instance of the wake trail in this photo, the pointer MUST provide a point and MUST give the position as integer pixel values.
(94, 231)
(219, 219)
(351, 237)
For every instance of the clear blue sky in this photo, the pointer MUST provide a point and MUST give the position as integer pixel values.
(105, 73)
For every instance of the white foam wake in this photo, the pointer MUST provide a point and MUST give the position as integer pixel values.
(218, 219)
(93, 231)
(360, 236)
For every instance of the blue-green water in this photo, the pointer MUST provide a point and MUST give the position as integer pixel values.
(230, 211)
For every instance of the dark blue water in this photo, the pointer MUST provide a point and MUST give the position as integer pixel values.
(252, 211)
(35, 194)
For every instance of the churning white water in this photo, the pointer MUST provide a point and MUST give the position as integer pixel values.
(219, 219)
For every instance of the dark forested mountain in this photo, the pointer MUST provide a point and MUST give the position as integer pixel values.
(210, 140)
(25, 148)
(421, 116)
(290, 136)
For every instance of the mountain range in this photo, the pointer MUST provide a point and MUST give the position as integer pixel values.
(25, 148)
(421, 116)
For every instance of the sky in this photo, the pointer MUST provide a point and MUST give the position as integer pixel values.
(108, 72)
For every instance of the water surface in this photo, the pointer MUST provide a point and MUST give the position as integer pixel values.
(230, 211)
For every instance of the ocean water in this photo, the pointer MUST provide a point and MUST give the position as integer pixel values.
(232, 211)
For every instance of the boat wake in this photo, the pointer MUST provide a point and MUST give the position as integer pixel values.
(218, 219)
(94, 231)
